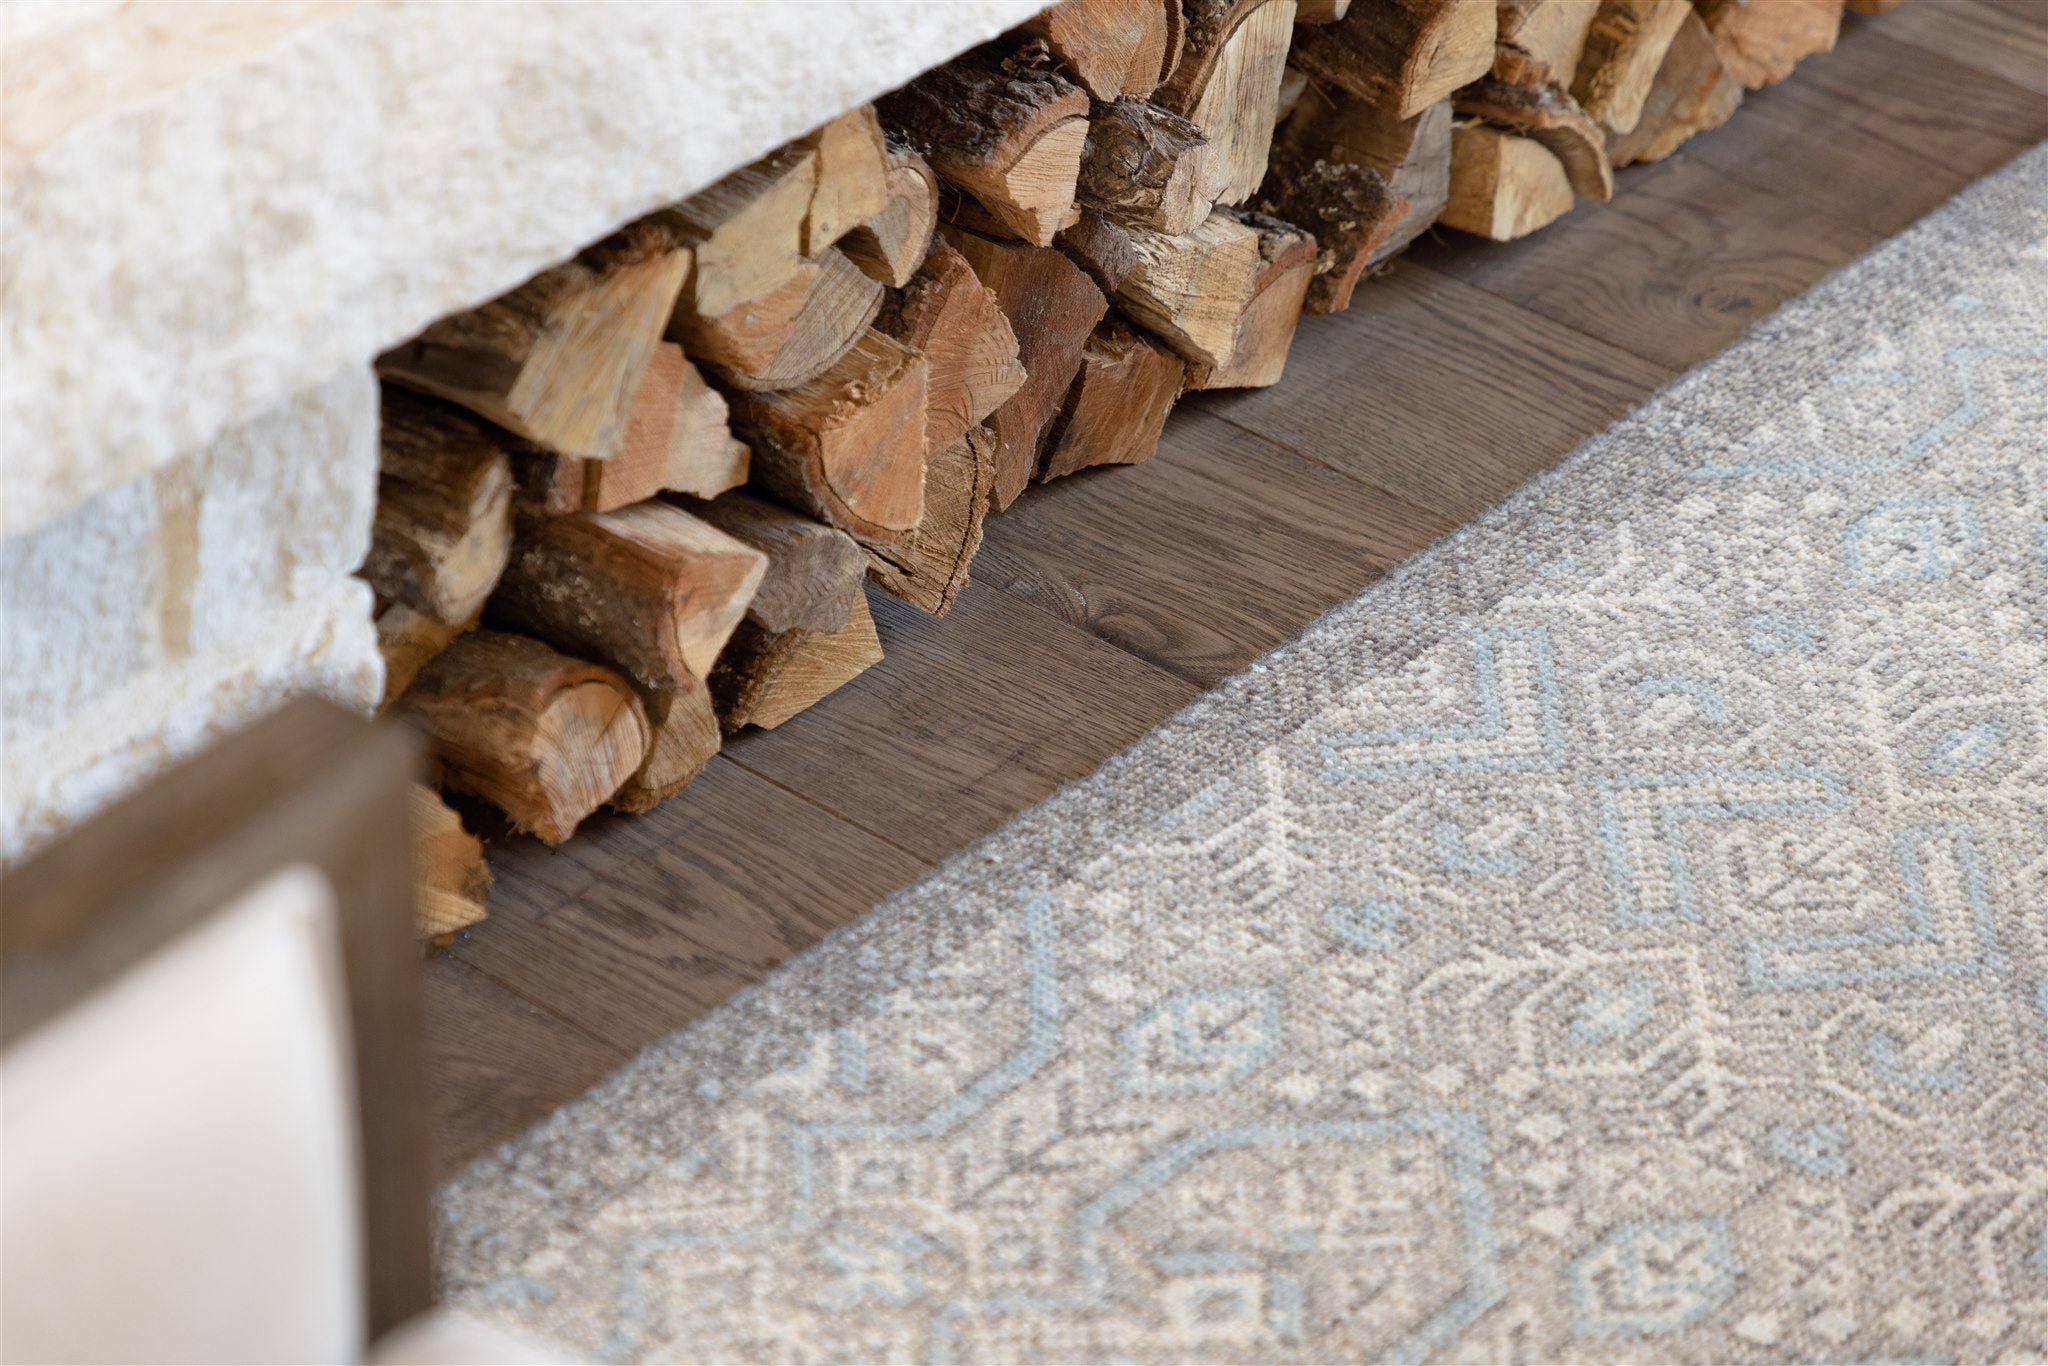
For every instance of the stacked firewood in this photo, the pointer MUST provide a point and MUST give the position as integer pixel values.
(638, 502)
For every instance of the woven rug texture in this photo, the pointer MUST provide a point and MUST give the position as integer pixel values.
(1619, 935)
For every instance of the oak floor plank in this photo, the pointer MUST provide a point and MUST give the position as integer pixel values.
(967, 720)
(659, 917)
(1675, 268)
(2007, 38)
(1441, 393)
(497, 1064)
(1878, 132)
(1201, 559)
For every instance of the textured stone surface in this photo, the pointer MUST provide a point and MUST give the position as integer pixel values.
(209, 208)
(1615, 936)
(152, 617)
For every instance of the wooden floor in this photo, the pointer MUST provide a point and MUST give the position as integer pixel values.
(1104, 602)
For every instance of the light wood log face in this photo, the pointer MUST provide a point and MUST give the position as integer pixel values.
(747, 230)
(1503, 186)
(1693, 91)
(890, 246)
(1240, 105)
(1112, 47)
(1761, 43)
(852, 180)
(928, 568)
(1624, 48)
(545, 737)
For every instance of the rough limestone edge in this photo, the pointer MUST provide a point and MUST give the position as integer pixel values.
(184, 254)
(62, 775)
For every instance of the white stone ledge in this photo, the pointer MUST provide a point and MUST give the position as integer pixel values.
(209, 208)
(63, 774)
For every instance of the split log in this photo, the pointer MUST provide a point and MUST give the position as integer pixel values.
(891, 245)
(450, 880)
(928, 568)
(1190, 289)
(763, 679)
(407, 640)
(848, 447)
(1118, 404)
(648, 590)
(1347, 207)
(1228, 86)
(953, 320)
(443, 524)
(1402, 55)
(1004, 128)
(682, 738)
(546, 738)
(1052, 306)
(790, 335)
(557, 360)
(747, 231)
(1503, 186)
(1265, 330)
(1551, 117)
(1413, 156)
(1321, 11)
(1539, 42)
(1624, 48)
(1142, 166)
(814, 571)
(853, 176)
(1693, 92)
(1762, 40)
(1112, 47)
(677, 440)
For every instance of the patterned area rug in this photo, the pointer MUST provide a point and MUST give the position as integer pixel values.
(1620, 935)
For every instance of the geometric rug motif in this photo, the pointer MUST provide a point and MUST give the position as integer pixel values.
(1619, 935)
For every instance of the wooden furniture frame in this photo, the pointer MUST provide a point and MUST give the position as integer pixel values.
(309, 785)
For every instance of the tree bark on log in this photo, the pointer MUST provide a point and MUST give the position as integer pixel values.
(928, 568)
(892, 244)
(546, 738)
(789, 336)
(952, 319)
(648, 590)
(848, 447)
(1402, 55)
(1142, 165)
(1052, 305)
(1347, 207)
(814, 571)
(443, 524)
(556, 361)
(764, 679)
(1112, 47)
(1413, 156)
(1118, 404)
(1004, 128)
(1551, 117)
